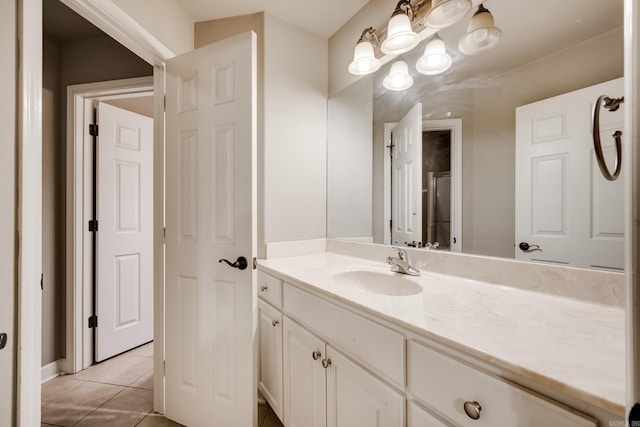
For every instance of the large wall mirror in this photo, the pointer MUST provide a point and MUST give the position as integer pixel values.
(474, 116)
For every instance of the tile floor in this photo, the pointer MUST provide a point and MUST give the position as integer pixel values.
(118, 392)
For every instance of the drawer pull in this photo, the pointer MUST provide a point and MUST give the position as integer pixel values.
(326, 363)
(275, 322)
(472, 409)
(263, 288)
(316, 355)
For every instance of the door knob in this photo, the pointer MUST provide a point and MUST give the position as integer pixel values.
(241, 263)
(526, 247)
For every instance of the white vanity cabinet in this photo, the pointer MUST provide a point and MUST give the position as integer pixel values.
(323, 388)
(270, 332)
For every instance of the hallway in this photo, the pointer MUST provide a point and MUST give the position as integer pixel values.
(118, 392)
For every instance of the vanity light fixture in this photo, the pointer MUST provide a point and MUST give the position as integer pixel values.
(435, 59)
(400, 35)
(481, 35)
(398, 77)
(446, 12)
(364, 58)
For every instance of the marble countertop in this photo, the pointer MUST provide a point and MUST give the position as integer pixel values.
(571, 346)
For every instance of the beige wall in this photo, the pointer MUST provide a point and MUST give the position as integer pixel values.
(292, 119)
(85, 61)
(164, 19)
(53, 208)
(8, 260)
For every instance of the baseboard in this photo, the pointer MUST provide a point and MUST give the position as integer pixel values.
(52, 370)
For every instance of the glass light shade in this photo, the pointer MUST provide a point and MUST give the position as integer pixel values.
(398, 78)
(446, 12)
(400, 36)
(364, 59)
(481, 36)
(435, 60)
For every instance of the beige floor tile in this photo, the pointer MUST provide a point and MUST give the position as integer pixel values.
(121, 370)
(57, 387)
(271, 420)
(126, 409)
(263, 410)
(145, 381)
(144, 350)
(155, 420)
(78, 403)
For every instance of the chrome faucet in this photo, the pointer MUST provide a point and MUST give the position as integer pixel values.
(400, 264)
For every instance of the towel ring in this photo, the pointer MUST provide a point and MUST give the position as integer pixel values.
(611, 104)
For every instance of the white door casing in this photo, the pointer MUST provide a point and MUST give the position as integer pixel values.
(211, 308)
(124, 289)
(563, 203)
(406, 193)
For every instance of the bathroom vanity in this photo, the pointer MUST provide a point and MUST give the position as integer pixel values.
(346, 342)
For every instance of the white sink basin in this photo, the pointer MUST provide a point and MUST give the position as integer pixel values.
(379, 282)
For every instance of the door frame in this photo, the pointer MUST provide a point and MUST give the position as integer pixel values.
(455, 126)
(114, 22)
(80, 99)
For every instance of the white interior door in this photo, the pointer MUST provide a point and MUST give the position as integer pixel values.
(563, 203)
(406, 179)
(124, 303)
(211, 308)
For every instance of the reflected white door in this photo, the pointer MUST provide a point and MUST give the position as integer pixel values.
(563, 203)
(124, 303)
(406, 178)
(211, 308)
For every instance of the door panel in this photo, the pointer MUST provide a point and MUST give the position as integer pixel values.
(563, 203)
(125, 235)
(305, 386)
(211, 308)
(406, 181)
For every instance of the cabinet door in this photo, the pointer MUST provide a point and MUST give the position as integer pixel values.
(270, 383)
(355, 398)
(419, 417)
(304, 377)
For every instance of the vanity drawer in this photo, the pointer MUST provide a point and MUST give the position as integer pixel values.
(368, 342)
(270, 289)
(447, 385)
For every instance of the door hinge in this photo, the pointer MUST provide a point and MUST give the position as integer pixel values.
(93, 130)
(93, 225)
(164, 368)
(42, 282)
(93, 322)
(165, 103)
(165, 233)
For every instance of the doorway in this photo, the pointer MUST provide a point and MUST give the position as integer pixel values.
(100, 196)
(441, 154)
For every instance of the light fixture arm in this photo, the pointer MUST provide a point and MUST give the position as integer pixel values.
(369, 35)
(404, 7)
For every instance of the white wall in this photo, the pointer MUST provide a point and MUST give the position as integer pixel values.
(349, 185)
(8, 259)
(295, 124)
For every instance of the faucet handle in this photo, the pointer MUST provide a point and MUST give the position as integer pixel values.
(402, 254)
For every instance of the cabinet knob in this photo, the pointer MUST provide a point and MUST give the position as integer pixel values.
(316, 355)
(263, 288)
(472, 409)
(326, 363)
(275, 322)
